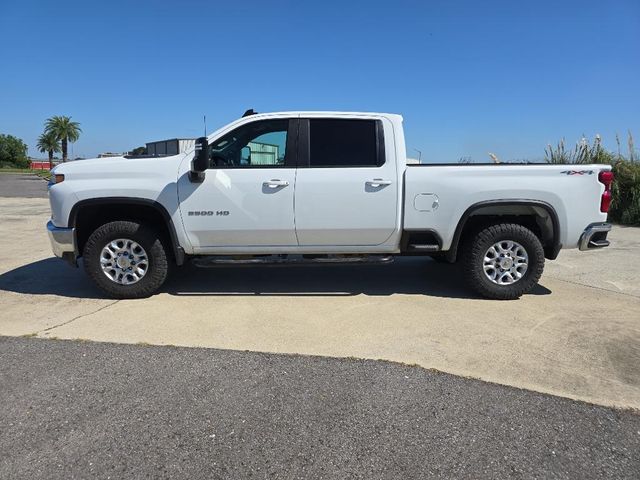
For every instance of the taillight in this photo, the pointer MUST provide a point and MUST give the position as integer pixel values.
(606, 178)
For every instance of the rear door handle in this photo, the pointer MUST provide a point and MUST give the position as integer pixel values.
(378, 182)
(275, 183)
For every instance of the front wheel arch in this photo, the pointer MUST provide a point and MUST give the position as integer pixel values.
(87, 215)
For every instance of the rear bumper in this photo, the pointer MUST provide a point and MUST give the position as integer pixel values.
(63, 242)
(595, 236)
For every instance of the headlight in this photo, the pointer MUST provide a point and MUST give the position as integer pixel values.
(56, 178)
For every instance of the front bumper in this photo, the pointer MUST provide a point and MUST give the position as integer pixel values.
(595, 236)
(63, 242)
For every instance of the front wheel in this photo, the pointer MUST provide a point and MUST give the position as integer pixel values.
(126, 259)
(503, 261)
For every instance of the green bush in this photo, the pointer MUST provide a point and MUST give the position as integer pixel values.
(13, 152)
(625, 205)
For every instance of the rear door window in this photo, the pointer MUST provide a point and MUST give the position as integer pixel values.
(343, 143)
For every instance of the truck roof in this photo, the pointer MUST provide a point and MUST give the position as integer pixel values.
(322, 113)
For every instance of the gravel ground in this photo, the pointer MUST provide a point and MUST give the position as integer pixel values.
(96, 410)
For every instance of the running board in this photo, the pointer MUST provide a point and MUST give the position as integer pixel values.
(414, 247)
(222, 260)
(598, 243)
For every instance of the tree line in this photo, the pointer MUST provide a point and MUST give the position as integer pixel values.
(59, 130)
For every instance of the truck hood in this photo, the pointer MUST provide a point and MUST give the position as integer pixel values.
(97, 167)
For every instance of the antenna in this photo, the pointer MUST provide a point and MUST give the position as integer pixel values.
(205, 124)
(419, 155)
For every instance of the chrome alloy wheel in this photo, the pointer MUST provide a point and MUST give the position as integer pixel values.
(124, 261)
(505, 262)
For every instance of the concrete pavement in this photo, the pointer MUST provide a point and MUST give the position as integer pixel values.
(577, 335)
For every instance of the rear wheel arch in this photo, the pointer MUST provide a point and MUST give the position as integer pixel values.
(88, 215)
(538, 216)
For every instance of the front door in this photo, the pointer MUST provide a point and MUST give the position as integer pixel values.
(246, 198)
(346, 188)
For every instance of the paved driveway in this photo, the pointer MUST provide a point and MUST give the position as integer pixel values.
(99, 410)
(577, 335)
(19, 185)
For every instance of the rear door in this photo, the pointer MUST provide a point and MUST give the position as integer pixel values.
(346, 187)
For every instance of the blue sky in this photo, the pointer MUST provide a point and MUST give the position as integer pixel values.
(469, 77)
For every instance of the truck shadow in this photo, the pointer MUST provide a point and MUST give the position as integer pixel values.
(409, 276)
(49, 277)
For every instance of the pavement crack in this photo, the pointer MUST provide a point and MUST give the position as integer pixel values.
(593, 286)
(48, 329)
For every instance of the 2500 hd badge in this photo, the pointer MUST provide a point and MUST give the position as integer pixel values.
(208, 213)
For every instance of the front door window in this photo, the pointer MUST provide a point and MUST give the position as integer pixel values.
(255, 145)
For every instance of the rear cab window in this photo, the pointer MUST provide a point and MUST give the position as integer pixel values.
(343, 143)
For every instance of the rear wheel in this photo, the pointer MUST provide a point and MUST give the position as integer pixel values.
(126, 259)
(503, 261)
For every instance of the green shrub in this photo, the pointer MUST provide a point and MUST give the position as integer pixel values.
(13, 151)
(625, 206)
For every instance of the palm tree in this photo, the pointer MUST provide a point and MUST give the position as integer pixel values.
(64, 130)
(48, 142)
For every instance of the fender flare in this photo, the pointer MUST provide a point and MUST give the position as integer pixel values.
(178, 251)
(551, 251)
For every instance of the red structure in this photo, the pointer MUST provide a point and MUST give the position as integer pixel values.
(40, 165)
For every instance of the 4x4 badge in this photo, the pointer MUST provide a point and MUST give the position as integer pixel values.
(577, 172)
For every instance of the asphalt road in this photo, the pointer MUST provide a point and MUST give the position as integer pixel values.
(26, 186)
(73, 409)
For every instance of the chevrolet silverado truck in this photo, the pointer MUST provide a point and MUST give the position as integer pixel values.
(319, 187)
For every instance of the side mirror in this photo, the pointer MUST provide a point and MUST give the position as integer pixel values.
(245, 155)
(200, 161)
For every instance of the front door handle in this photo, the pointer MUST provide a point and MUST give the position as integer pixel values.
(275, 183)
(378, 182)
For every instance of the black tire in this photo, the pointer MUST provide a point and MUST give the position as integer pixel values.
(158, 265)
(473, 256)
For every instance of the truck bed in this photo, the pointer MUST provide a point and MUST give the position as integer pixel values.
(437, 196)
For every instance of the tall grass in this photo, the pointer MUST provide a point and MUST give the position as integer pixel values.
(625, 207)
(582, 153)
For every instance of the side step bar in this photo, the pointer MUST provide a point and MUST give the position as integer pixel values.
(414, 247)
(222, 260)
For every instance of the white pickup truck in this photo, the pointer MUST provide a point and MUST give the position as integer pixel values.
(331, 187)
